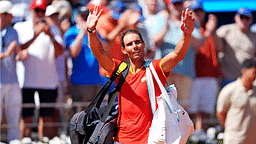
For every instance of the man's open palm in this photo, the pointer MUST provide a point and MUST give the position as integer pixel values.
(93, 18)
(188, 22)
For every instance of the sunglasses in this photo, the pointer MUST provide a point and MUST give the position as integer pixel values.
(178, 4)
(244, 17)
(38, 10)
(198, 10)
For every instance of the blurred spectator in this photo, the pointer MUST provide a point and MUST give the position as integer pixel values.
(10, 93)
(102, 4)
(236, 107)
(85, 78)
(166, 34)
(76, 4)
(129, 4)
(159, 6)
(52, 18)
(65, 12)
(150, 22)
(238, 44)
(205, 86)
(43, 43)
(111, 24)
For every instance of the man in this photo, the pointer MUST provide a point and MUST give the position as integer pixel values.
(10, 93)
(40, 75)
(236, 107)
(238, 44)
(205, 86)
(135, 113)
(85, 78)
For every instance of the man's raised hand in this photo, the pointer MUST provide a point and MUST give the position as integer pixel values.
(93, 18)
(188, 21)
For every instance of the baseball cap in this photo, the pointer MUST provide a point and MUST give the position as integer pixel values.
(50, 10)
(173, 1)
(38, 4)
(244, 11)
(83, 10)
(139, 8)
(249, 63)
(118, 8)
(196, 4)
(63, 7)
(5, 7)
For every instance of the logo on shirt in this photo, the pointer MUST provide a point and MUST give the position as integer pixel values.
(143, 79)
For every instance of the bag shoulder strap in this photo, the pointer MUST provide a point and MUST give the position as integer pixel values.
(113, 94)
(102, 93)
(162, 88)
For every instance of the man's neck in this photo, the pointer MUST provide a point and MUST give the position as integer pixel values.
(2, 26)
(246, 83)
(137, 65)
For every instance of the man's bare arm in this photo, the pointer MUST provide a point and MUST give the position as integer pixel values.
(9, 51)
(173, 58)
(94, 42)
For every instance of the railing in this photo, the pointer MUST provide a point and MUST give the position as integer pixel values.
(78, 105)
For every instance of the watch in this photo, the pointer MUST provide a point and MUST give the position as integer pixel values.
(90, 31)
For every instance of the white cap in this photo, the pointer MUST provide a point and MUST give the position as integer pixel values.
(50, 10)
(63, 7)
(5, 7)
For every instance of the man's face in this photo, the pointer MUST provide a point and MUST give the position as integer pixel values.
(5, 19)
(200, 14)
(38, 14)
(176, 8)
(2, 18)
(250, 74)
(151, 5)
(134, 47)
(243, 21)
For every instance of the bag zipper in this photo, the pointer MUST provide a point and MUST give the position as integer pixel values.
(77, 119)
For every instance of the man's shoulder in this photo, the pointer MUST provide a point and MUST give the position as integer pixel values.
(23, 25)
(233, 86)
(72, 30)
(227, 27)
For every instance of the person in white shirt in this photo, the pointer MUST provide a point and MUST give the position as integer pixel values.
(44, 45)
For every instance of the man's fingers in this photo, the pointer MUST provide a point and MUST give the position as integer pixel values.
(183, 15)
(186, 13)
(99, 13)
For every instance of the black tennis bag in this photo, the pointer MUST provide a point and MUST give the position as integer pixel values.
(97, 123)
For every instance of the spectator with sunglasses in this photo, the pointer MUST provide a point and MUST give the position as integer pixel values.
(238, 44)
(44, 45)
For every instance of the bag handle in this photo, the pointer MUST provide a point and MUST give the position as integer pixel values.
(102, 93)
(162, 88)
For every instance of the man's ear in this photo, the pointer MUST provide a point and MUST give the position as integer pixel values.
(123, 50)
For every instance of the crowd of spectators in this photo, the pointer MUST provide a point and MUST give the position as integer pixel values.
(45, 42)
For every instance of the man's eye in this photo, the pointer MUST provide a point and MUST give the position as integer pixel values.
(138, 42)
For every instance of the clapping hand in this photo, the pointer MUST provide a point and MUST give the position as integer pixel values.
(93, 18)
(211, 24)
(188, 22)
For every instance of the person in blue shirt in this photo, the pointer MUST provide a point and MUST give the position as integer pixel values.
(10, 93)
(85, 78)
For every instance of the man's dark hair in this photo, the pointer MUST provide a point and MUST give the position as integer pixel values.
(249, 63)
(130, 31)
